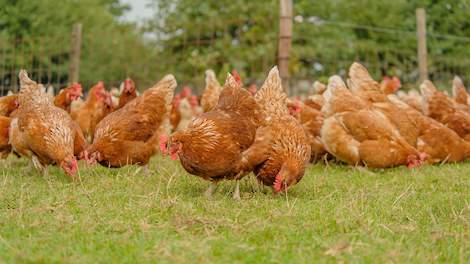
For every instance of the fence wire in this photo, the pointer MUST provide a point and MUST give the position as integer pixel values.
(317, 53)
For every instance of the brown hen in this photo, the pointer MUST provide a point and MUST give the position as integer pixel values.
(212, 144)
(130, 134)
(281, 150)
(41, 130)
(211, 93)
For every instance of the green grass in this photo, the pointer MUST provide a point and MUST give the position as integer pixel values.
(336, 213)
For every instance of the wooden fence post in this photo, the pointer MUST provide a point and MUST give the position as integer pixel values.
(75, 51)
(422, 50)
(285, 37)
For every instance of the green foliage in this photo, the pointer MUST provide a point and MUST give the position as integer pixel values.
(37, 35)
(381, 34)
(189, 36)
(223, 35)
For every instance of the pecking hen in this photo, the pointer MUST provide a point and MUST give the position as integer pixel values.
(42, 131)
(442, 108)
(355, 133)
(130, 134)
(281, 150)
(211, 145)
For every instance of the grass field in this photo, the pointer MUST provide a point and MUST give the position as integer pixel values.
(335, 214)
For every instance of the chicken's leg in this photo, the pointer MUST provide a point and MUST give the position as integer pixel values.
(37, 164)
(236, 192)
(211, 190)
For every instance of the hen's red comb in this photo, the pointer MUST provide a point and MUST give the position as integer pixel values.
(237, 77)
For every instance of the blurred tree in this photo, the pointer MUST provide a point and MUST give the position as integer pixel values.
(196, 35)
(36, 27)
(328, 36)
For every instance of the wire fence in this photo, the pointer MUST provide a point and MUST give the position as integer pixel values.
(316, 54)
(319, 56)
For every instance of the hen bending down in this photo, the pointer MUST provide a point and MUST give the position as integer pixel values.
(212, 144)
(281, 151)
(41, 130)
(130, 134)
(355, 133)
(440, 107)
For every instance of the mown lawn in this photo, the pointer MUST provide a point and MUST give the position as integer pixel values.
(335, 214)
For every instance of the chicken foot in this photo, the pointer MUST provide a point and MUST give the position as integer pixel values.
(236, 192)
(37, 164)
(211, 190)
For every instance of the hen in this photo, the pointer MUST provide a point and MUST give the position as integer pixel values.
(97, 105)
(5, 147)
(280, 163)
(211, 93)
(439, 142)
(8, 104)
(312, 121)
(252, 89)
(128, 93)
(354, 133)
(412, 98)
(130, 134)
(212, 144)
(186, 114)
(318, 87)
(390, 85)
(440, 107)
(41, 130)
(67, 95)
(366, 88)
(459, 92)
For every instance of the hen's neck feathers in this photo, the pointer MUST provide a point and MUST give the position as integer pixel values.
(271, 97)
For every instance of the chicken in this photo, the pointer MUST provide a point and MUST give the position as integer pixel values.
(312, 121)
(175, 114)
(461, 95)
(412, 98)
(195, 107)
(319, 88)
(5, 147)
(41, 130)
(315, 101)
(67, 95)
(355, 133)
(186, 114)
(237, 77)
(390, 85)
(211, 93)
(8, 104)
(128, 93)
(252, 88)
(440, 107)
(366, 88)
(130, 134)
(50, 91)
(439, 142)
(212, 144)
(97, 105)
(282, 162)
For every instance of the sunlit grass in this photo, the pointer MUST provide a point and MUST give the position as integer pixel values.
(336, 213)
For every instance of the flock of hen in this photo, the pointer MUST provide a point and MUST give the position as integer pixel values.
(236, 131)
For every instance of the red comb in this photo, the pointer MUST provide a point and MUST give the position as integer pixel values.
(237, 77)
